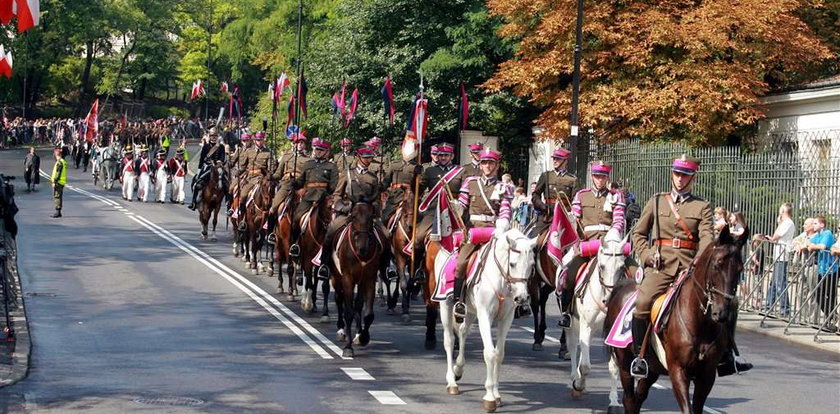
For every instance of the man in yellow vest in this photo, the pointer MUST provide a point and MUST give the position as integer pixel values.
(59, 180)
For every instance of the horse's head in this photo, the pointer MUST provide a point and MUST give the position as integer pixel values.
(515, 259)
(361, 224)
(717, 272)
(611, 257)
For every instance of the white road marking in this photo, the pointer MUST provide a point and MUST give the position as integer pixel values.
(387, 398)
(549, 337)
(358, 374)
(659, 387)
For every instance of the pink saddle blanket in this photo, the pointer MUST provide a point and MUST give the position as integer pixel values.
(446, 278)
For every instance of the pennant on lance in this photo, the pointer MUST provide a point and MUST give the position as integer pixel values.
(463, 109)
(351, 107)
(92, 122)
(28, 13)
(388, 99)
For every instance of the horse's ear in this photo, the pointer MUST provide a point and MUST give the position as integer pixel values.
(725, 237)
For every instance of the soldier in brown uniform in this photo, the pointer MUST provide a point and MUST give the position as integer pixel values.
(441, 165)
(399, 179)
(258, 163)
(345, 159)
(289, 167)
(471, 168)
(236, 163)
(555, 185)
(672, 229)
(377, 166)
(318, 178)
(597, 209)
(364, 188)
(488, 202)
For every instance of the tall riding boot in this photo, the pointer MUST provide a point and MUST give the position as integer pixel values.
(460, 309)
(57, 213)
(731, 362)
(326, 261)
(566, 299)
(294, 249)
(639, 367)
(194, 204)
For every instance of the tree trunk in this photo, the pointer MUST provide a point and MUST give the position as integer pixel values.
(141, 91)
(120, 70)
(85, 76)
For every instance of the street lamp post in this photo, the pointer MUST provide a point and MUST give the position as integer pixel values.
(574, 121)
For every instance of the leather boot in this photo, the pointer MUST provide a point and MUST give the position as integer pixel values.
(57, 213)
(460, 308)
(566, 303)
(639, 367)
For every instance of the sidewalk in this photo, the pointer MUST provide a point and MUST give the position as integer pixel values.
(14, 356)
(796, 334)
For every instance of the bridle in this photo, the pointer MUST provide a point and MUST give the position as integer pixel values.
(505, 270)
(709, 290)
(371, 232)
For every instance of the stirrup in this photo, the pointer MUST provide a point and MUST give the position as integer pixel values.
(522, 311)
(294, 251)
(639, 368)
(460, 311)
(392, 275)
(272, 238)
(419, 276)
(565, 320)
(324, 273)
(229, 212)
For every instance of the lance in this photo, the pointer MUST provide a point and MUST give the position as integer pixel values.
(416, 187)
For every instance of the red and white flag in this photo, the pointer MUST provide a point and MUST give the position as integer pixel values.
(92, 122)
(197, 90)
(224, 88)
(28, 13)
(280, 86)
(5, 63)
(6, 11)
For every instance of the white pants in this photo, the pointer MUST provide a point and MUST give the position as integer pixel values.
(128, 185)
(144, 185)
(160, 185)
(178, 189)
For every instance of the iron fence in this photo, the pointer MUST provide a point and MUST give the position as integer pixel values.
(802, 168)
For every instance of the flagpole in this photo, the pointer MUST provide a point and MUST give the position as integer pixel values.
(299, 83)
(416, 191)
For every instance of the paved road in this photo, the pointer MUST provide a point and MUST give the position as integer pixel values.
(130, 311)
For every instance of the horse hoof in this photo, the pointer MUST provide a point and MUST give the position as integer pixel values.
(291, 297)
(489, 406)
(536, 347)
(458, 376)
(347, 353)
(430, 344)
(389, 312)
(364, 339)
(340, 336)
(453, 390)
(324, 319)
(255, 271)
(280, 290)
(406, 318)
(576, 394)
(357, 340)
(615, 409)
(498, 402)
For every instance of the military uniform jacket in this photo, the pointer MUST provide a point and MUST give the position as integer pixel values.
(377, 167)
(399, 178)
(599, 211)
(487, 200)
(697, 215)
(550, 185)
(364, 187)
(433, 173)
(259, 159)
(343, 161)
(287, 166)
(471, 169)
(315, 172)
(211, 153)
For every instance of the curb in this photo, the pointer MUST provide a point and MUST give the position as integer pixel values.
(749, 322)
(23, 344)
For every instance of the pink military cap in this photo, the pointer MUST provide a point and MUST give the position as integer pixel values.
(600, 168)
(490, 155)
(562, 153)
(259, 135)
(321, 144)
(447, 149)
(477, 147)
(346, 142)
(297, 137)
(686, 165)
(365, 153)
(245, 136)
(435, 150)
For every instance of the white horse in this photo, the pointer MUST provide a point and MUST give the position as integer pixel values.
(590, 309)
(502, 285)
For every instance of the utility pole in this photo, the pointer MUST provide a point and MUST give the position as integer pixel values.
(209, 49)
(574, 133)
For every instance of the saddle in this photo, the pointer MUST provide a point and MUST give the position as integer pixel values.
(446, 276)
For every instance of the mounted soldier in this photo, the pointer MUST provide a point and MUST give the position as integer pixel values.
(127, 174)
(674, 228)
(360, 186)
(399, 179)
(377, 166)
(211, 153)
(487, 200)
(179, 169)
(471, 168)
(236, 165)
(289, 168)
(345, 159)
(553, 186)
(598, 209)
(318, 178)
(160, 176)
(258, 163)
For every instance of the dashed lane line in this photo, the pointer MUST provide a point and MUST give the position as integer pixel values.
(358, 374)
(548, 337)
(659, 386)
(387, 398)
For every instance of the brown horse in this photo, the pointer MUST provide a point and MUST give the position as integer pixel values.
(312, 234)
(432, 307)
(256, 217)
(238, 236)
(401, 231)
(212, 197)
(696, 335)
(353, 275)
(282, 237)
(541, 287)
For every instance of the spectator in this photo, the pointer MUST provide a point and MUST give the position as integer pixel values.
(721, 219)
(507, 180)
(632, 211)
(31, 168)
(756, 265)
(782, 237)
(822, 242)
(736, 224)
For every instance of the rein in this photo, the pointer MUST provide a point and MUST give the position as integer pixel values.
(370, 233)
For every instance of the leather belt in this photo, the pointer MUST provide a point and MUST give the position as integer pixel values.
(255, 172)
(596, 227)
(550, 200)
(398, 185)
(483, 218)
(676, 243)
(316, 185)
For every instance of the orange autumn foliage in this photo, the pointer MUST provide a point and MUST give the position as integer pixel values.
(661, 70)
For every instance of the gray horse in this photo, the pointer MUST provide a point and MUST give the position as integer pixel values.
(107, 162)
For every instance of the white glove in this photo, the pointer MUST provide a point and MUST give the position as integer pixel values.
(502, 225)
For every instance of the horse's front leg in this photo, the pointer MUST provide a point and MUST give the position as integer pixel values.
(573, 339)
(680, 384)
(614, 406)
(702, 387)
(502, 330)
(405, 283)
(431, 327)
(349, 313)
(584, 339)
(448, 346)
(369, 292)
(325, 292)
(485, 327)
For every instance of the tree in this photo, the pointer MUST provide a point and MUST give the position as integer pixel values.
(675, 69)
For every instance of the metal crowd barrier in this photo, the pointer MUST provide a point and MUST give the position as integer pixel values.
(796, 293)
